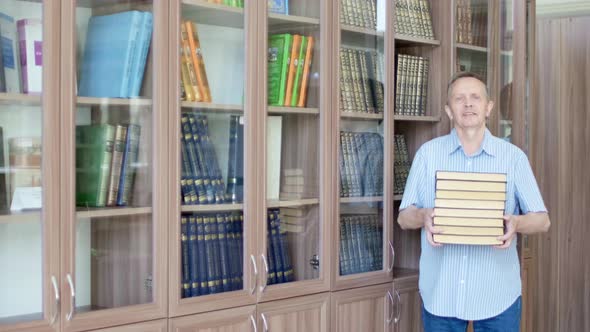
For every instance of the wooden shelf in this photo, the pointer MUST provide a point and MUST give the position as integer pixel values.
(111, 212)
(345, 28)
(292, 110)
(416, 118)
(471, 48)
(406, 40)
(188, 106)
(21, 318)
(20, 217)
(290, 203)
(400, 274)
(211, 207)
(361, 199)
(127, 102)
(278, 21)
(20, 99)
(361, 116)
(203, 12)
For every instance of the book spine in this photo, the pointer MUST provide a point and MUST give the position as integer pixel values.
(185, 52)
(127, 166)
(270, 254)
(195, 168)
(239, 239)
(284, 71)
(132, 46)
(185, 257)
(222, 236)
(344, 259)
(194, 275)
(187, 183)
(146, 38)
(306, 72)
(105, 165)
(212, 257)
(116, 163)
(219, 185)
(232, 251)
(293, 60)
(288, 273)
(198, 62)
(202, 256)
(298, 71)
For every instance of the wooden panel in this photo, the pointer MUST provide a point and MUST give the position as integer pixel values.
(308, 313)
(560, 154)
(230, 320)
(153, 326)
(362, 309)
(527, 295)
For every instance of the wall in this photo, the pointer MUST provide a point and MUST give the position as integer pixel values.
(560, 154)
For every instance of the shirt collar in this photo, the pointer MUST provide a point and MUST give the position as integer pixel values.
(487, 145)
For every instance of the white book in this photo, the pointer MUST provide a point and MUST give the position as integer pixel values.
(30, 38)
(273, 156)
(10, 54)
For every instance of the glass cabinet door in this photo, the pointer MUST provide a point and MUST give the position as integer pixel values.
(471, 36)
(293, 220)
(361, 232)
(114, 250)
(29, 137)
(505, 105)
(208, 133)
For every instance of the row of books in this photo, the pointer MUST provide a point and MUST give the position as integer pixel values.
(472, 23)
(361, 81)
(401, 164)
(280, 267)
(194, 83)
(115, 54)
(413, 18)
(21, 59)
(105, 164)
(411, 93)
(211, 252)
(201, 178)
(360, 13)
(289, 64)
(361, 244)
(231, 3)
(361, 164)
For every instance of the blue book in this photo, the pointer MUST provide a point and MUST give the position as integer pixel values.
(278, 6)
(111, 43)
(145, 38)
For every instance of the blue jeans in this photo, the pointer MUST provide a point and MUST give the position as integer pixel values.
(507, 321)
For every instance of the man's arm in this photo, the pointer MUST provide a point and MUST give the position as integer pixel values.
(414, 218)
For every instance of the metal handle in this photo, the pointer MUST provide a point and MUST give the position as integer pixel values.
(392, 257)
(253, 261)
(253, 321)
(264, 322)
(263, 287)
(391, 314)
(57, 300)
(399, 307)
(73, 298)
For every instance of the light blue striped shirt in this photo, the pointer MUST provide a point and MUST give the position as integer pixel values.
(464, 281)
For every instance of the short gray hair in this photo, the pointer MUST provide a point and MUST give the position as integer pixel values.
(465, 74)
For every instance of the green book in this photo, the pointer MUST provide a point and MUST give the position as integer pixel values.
(299, 72)
(94, 152)
(279, 47)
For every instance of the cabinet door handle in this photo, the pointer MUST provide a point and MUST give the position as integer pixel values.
(265, 280)
(253, 261)
(253, 321)
(392, 257)
(57, 300)
(399, 307)
(73, 297)
(264, 322)
(390, 297)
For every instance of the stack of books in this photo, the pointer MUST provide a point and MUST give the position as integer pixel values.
(469, 207)
(293, 185)
(412, 18)
(294, 220)
(361, 81)
(401, 164)
(359, 13)
(411, 94)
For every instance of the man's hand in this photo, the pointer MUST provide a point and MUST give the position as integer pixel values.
(428, 214)
(510, 225)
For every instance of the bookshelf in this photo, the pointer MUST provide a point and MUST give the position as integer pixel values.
(313, 181)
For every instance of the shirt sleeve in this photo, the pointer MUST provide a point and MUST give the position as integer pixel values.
(414, 191)
(527, 191)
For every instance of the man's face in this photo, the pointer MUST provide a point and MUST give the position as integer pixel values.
(468, 104)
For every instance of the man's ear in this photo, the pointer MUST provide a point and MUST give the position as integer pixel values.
(489, 108)
(449, 112)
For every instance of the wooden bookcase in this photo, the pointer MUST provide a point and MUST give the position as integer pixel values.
(122, 267)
